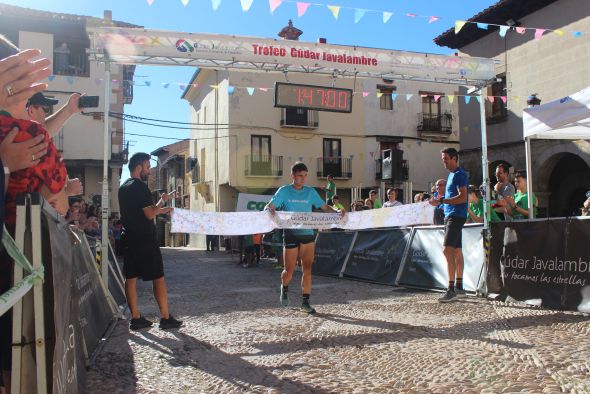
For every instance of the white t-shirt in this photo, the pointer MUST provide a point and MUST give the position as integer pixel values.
(391, 204)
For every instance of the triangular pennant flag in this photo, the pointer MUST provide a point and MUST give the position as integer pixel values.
(250, 91)
(503, 31)
(150, 2)
(214, 86)
(195, 85)
(165, 85)
(51, 78)
(482, 26)
(301, 8)
(467, 99)
(539, 33)
(520, 29)
(559, 32)
(409, 96)
(466, 129)
(491, 98)
(504, 99)
(393, 96)
(577, 34)
(246, 4)
(516, 99)
(335, 10)
(97, 81)
(423, 95)
(185, 2)
(70, 79)
(264, 89)
(274, 4)
(148, 83)
(478, 98)
(215, 4)
(411, 15)
(358, 14)
(437, 97)
(386, 16)
(433, 19)
(379, 94)
(459, 25)
(182, 86)
(365, 94)
(451, 98)
(230, 89)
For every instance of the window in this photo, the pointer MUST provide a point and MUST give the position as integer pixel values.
(260, 148)
(70, 58)
(496, 108)
(386, 99)
(332, 159)
(430, 118)
(299, 117)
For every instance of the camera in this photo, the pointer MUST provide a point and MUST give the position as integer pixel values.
(88, 102)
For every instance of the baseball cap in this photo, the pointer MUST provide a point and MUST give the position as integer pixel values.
(40, 99)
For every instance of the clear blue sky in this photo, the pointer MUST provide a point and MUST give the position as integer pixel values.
(401, 32)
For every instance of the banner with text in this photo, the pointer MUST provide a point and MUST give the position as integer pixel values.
(251, 202)
(426, 266)
(331, 248)
(542, 262)
(376, 255)
(243, 223)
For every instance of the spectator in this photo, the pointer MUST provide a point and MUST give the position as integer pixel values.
(518, 207)
(358, 205)
(503, 189)
(368, 203)
(62, 58)
(91, 212)
(336, 201)
(426, 197)
(392, 202)
(249, 251)
(211, 242)
(475, 209)
(117, 230)
(73, 215)
(376, 202)
(417, 198)
(439, 211)
(330, 190)
(586, 206)
(257, 240)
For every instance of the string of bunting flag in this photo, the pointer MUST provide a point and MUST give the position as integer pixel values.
(503, 29)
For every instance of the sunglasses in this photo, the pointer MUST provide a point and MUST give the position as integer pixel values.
(45, 108)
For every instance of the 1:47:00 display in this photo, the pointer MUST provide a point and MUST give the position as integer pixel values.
(319, 98)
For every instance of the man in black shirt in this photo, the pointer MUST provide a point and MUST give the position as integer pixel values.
(141, 253)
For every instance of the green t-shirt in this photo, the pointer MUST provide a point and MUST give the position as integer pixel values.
(338, 206)
(478, 210)
(330, 190)
(522, 201)
(377, 204)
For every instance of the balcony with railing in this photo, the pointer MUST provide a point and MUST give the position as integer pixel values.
(435, 124)
(264, 166)
(195, 172)
(338, 167)
(72, 65)
(299, 118)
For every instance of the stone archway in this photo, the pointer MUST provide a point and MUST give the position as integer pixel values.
(562, 183)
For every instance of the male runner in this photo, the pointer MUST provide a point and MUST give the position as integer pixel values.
(296, 197)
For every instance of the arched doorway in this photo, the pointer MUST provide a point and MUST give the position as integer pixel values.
(568, 178)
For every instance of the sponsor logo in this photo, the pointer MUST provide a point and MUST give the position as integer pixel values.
(184, 46)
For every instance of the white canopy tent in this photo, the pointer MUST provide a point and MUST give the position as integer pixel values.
(252, 54)
(567, 118)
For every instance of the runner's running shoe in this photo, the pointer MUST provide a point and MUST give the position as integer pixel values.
(138, 324)
(171, 322)
(449, 296)
(305, 307)
(284, 297)
(461, 293)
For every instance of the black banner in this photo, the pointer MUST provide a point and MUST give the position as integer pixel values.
(331, 249)
(426, 266)
(377, 255)
(542, 262)
(69, 370)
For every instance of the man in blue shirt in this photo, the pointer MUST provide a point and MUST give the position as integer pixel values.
(298, 243)
(455, 206)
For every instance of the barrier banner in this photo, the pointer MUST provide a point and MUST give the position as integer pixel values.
(426, 266)
(243, 223)
(376, 255)
(69, 370)
(331, 248)
(251, 202)
(542, 262)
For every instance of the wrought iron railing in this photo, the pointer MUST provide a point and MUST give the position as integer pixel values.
(266, 165)
(338, 167)
(435, 123)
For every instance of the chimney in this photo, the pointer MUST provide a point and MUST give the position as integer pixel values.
(290, 32)
(108, 15)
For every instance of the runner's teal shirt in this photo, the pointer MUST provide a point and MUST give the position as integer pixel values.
(289, 199)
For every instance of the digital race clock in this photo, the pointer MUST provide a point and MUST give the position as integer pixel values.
(318, 98)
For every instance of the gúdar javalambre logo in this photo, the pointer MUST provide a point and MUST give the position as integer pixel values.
(184, 46)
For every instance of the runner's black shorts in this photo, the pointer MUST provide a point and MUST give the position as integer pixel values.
(142, 259)
(453, 231)
(293, 240)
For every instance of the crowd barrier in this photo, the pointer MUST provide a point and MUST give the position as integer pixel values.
(404, 256)
(542, 262)
(57, 326)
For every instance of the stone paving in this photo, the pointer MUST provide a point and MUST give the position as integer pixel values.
(365, 338)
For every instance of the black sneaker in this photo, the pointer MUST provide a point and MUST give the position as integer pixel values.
(305, 307)
(138, 324)
(284, 297)
(171, 322)
(449, 296)
(461, 293)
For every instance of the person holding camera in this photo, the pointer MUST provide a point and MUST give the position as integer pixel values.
(586, 206)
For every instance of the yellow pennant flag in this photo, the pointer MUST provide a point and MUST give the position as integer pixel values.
(459, 25)
(451, 98)
(379, 94)
(335, 10)
(559, 32)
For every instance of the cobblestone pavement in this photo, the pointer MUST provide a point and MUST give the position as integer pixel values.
(364, 338)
